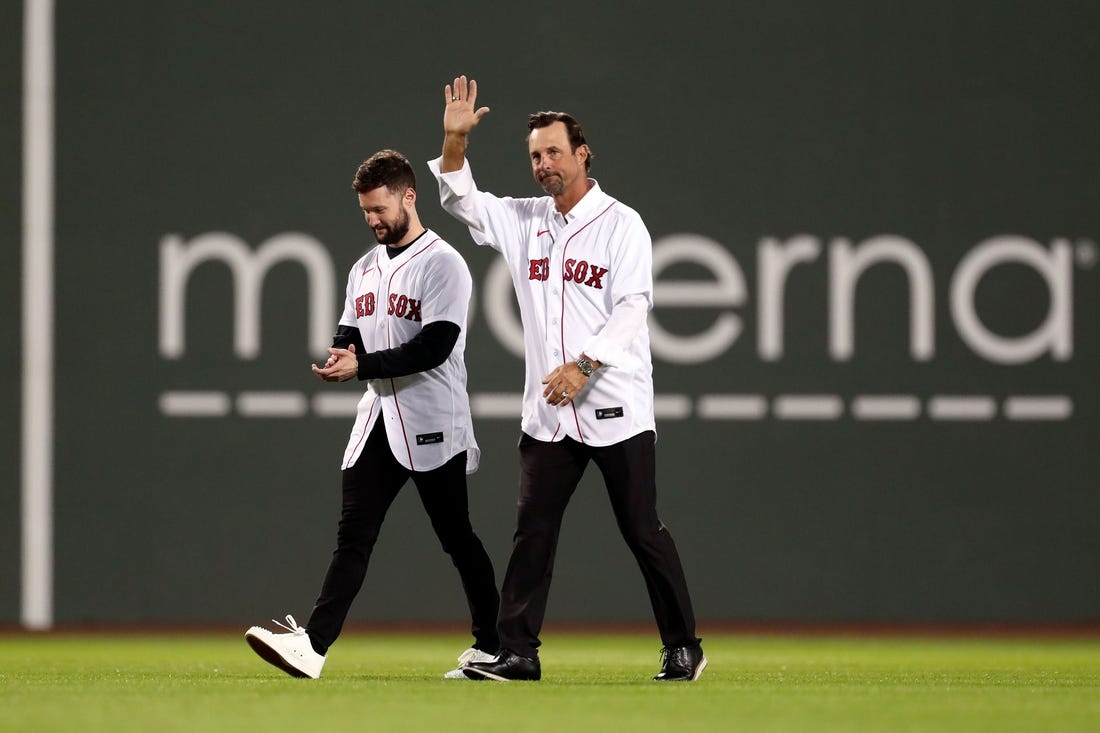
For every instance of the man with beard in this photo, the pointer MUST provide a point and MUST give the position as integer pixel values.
(402, 332)
(581, 264)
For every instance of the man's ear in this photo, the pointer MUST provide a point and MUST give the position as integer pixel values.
(410, 196)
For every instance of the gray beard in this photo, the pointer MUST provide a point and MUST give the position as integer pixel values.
(553, 184)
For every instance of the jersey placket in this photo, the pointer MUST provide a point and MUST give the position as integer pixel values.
(555, 296)
(375, 277)
(393, 275)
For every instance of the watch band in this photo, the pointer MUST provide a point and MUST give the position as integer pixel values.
(585, 366)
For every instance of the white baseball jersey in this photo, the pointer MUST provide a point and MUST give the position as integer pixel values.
(427, 414)
(569, 274)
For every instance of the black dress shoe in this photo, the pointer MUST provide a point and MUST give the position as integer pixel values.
(506, 667)
(681, 663)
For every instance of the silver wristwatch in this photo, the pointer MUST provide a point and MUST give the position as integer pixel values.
(585, 366)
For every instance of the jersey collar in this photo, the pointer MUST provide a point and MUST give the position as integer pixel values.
(387, 263)
(588, 204)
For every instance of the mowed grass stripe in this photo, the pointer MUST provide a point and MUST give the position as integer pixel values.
(591, 683)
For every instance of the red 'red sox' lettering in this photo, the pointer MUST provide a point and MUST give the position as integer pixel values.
(540, 269)
(364, 305)
(578, 271)
(403, 306)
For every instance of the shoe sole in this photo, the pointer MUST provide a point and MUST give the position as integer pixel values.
(272, 657)
(699, 670)
(479, 674)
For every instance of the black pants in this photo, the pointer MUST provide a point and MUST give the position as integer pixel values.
(549, 474)
(369, 488)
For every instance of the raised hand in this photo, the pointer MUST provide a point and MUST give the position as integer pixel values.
(460, 116)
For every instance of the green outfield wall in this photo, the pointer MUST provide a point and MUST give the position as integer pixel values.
(875, 336)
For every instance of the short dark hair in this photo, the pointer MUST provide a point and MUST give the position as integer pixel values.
(387, 168)
(572, 127)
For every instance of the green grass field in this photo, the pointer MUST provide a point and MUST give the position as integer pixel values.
(590, 683)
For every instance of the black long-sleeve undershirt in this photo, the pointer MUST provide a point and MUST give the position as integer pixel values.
(426, 350)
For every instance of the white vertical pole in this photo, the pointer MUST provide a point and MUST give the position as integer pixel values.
(38, 314)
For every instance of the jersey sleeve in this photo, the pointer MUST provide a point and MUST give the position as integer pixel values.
(631, 251)
(611, 345)
(447, 291)
(498, 222)
(632, 260)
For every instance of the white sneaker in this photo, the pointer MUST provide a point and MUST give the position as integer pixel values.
(470, 655)
(291, 652)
